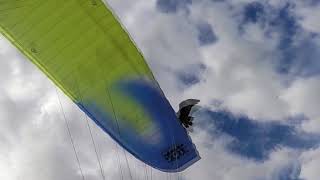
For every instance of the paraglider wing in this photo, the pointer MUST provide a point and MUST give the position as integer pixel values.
(82, 48)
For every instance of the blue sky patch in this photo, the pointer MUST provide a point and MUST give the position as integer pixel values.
(254, 139)
(297, 49)
(171, 6)
(286, 23)
(300, 59)
(188, 78)
(253, 12)
(191, 75)
(206, 34)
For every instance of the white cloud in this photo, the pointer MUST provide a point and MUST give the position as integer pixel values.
(238, 71)
(303, 98)
(310, 165)
(309, 17)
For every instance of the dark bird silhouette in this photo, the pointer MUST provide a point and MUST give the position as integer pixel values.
(185, 108)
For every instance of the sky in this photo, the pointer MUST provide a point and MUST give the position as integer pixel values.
(253, 64)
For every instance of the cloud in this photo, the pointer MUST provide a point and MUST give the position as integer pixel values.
(241, 71)
(255, 60)
(308, 13)
(310, 161)
(303, 98)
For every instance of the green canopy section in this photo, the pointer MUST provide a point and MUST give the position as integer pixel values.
(72, 39)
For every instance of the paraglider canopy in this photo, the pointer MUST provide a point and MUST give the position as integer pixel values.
(81, 46)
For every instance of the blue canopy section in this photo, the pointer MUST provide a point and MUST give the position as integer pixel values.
(168, 148)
